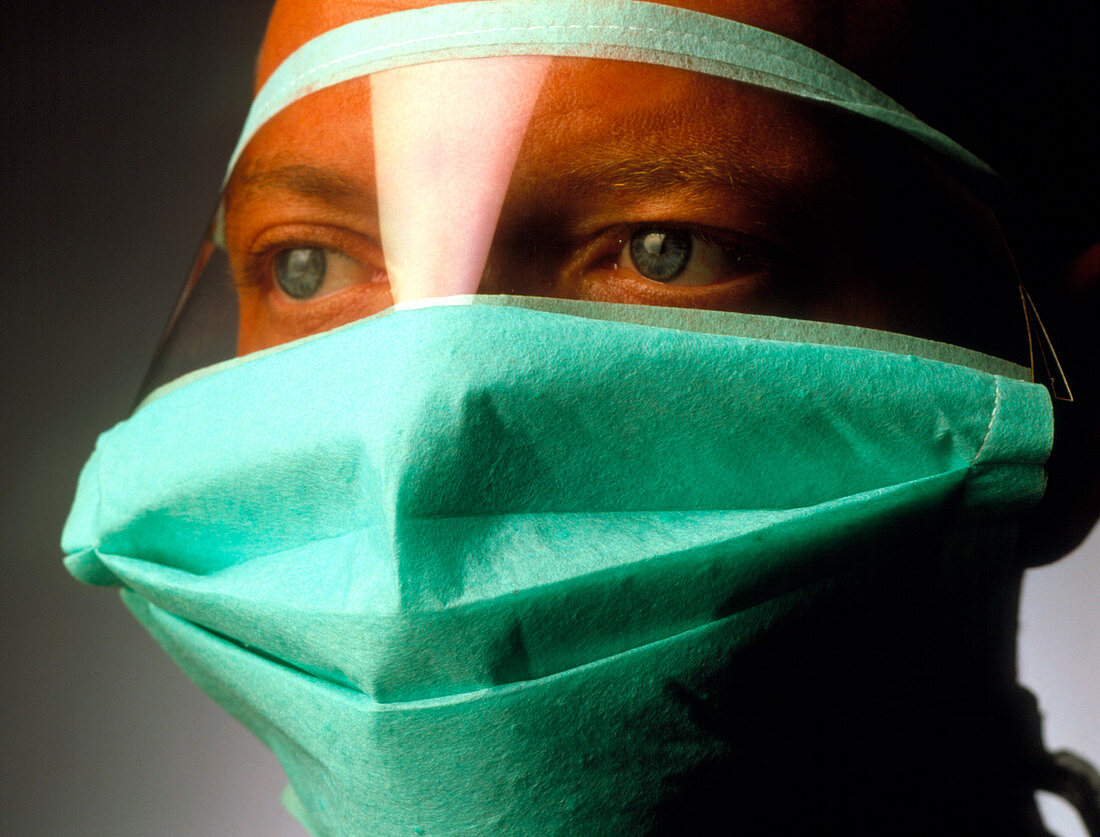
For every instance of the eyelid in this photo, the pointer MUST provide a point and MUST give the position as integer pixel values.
(766, 253)
(256, 260)
(724, 238)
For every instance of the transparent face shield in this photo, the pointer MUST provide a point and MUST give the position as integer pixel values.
(588, 179)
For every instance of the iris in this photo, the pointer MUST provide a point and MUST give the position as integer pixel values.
(301, 271)
(660, 254)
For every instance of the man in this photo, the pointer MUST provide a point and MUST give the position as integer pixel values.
(693, 522)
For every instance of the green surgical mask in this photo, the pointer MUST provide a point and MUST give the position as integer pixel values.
(484, 568)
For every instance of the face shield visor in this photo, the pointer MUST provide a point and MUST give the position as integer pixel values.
(499, 153)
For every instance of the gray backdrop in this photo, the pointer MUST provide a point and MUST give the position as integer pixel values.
(118, 119)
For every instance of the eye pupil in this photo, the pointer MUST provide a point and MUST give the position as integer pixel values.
(300, 271)
(660, 254)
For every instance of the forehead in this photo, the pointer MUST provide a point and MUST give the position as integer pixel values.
(591, 110)
(594, 119)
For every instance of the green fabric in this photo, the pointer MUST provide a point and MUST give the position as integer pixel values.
(750, 325)
(459, 565)
(688, 319)
(624, 30)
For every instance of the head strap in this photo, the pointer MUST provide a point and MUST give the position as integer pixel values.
(625, 30)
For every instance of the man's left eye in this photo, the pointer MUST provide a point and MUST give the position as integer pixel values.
(678, 256)
(660, 255)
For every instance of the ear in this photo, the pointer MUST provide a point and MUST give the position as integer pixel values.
(1070, 507)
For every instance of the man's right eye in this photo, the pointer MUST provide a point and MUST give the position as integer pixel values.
(306, 272)
(300, 271)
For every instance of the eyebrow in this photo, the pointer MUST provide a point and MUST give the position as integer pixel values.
(330, 186)
(701, 170)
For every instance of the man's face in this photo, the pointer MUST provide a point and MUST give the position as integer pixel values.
(632, 183)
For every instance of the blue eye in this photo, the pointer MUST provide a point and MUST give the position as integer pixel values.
(300, 271)
(660, 254)
(691, 256)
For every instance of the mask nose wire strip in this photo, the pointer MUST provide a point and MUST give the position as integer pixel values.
(621, 30)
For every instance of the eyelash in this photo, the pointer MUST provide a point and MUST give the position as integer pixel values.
(256, 270)
(739, 246)
(756, 255)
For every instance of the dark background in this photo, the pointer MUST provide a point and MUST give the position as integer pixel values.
(118, 118)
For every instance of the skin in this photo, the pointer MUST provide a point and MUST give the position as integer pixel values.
(802, 212)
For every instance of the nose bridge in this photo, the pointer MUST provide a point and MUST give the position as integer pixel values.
(446, 138)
